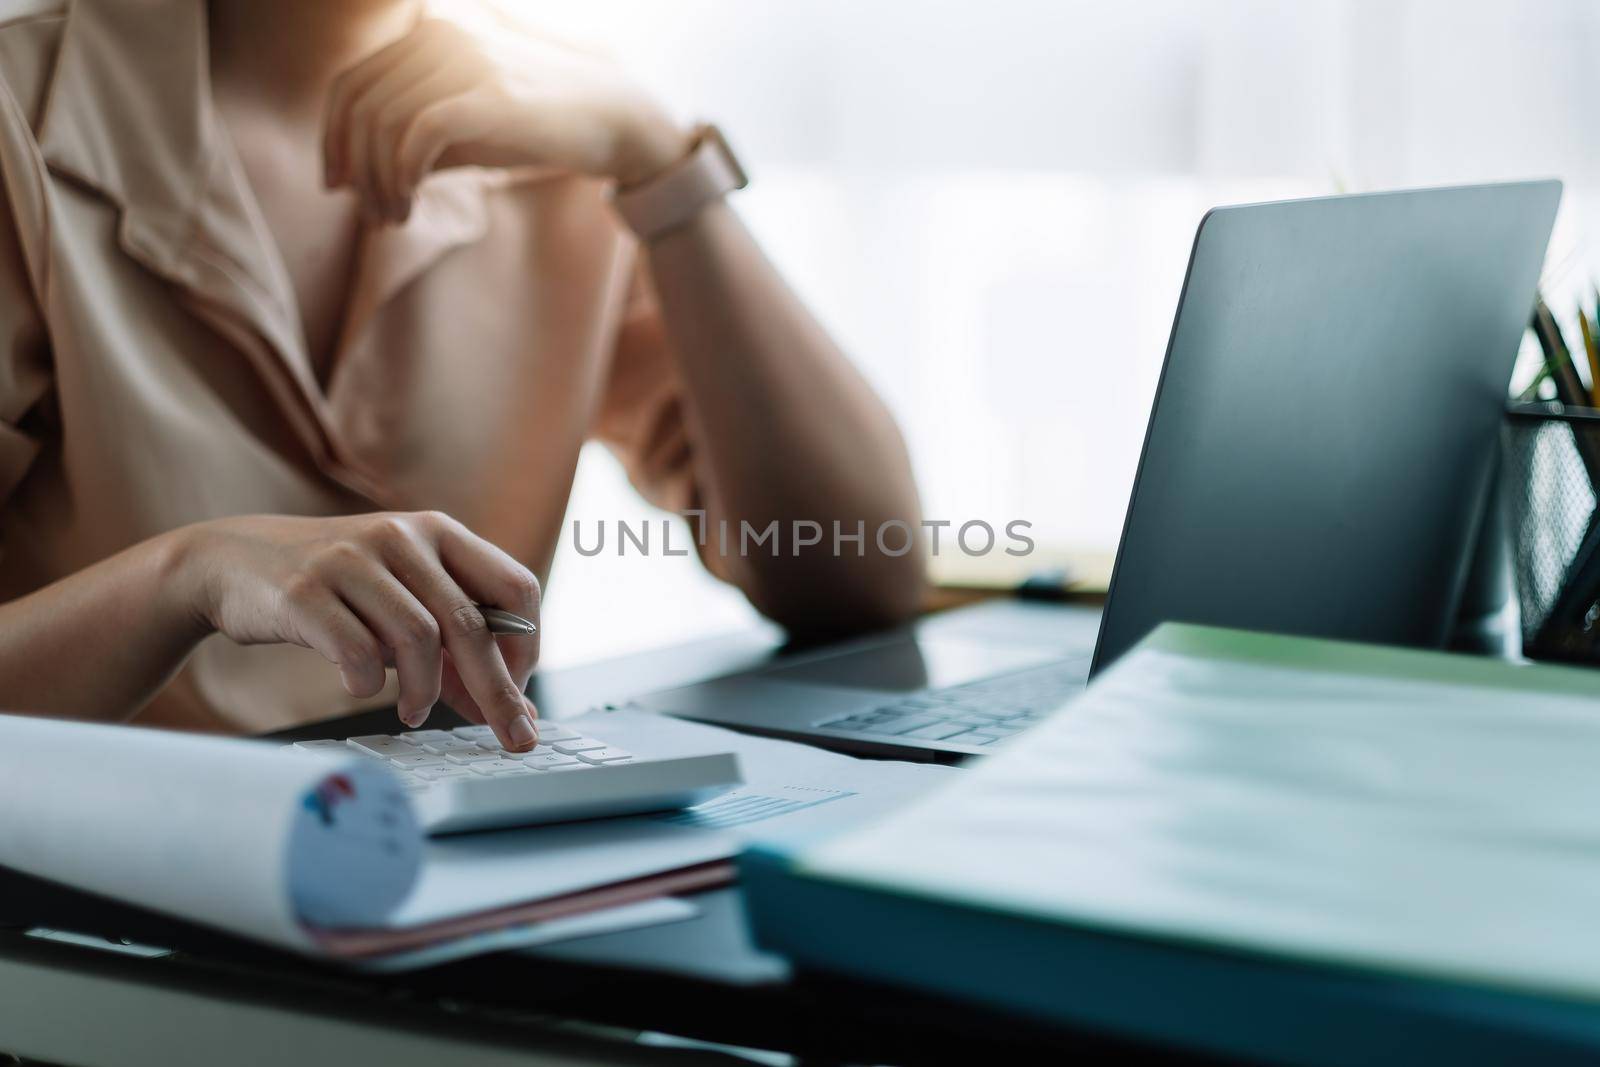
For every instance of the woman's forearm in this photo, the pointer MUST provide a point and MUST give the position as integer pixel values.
(790, 431)
(100, 643)
(366, 592)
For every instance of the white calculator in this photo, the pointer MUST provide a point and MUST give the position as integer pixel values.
(462, 779)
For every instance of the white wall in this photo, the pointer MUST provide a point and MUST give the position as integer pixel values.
(991, 204)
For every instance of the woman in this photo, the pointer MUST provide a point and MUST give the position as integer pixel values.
(306, 309)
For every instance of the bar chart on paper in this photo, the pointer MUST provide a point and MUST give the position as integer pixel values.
(745, 806)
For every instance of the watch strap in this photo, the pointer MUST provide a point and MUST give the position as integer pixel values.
(709, 172)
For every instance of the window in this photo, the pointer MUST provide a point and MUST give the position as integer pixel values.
(991, 204)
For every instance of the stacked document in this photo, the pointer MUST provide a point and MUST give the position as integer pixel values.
(1233, 807)
(323, 854)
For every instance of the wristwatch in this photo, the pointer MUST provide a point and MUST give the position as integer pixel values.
(663, 203)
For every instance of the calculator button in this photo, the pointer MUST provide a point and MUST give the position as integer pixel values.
(422, 737)
(605, 755)
(442, 772)
(318, 746)
(382, 744)
(550, 732)
(545, 761)
(473, 733)
(498, 767)
(416, 759)
(454, 744)
(581, 744)
(475, 755)
(541, 749)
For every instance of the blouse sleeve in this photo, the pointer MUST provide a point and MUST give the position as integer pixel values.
(24, 349)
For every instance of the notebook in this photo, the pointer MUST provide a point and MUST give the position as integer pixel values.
(1237, 807)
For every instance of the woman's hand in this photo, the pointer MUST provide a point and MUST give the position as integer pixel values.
(374, 590)
(438, 98)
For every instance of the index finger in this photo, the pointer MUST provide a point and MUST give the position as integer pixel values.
(472, 647)
(486, 677)
(498, 581)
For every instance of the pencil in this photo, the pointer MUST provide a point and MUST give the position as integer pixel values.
(1569, 387)
(1586, 327)
(1592, 344)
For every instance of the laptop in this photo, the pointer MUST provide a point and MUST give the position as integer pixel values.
(1316, 462)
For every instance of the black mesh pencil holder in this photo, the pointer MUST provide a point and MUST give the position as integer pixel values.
(1552, 466)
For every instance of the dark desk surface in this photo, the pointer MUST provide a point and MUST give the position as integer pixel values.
(699, 979)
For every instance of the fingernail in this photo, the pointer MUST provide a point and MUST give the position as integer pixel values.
(522, 733)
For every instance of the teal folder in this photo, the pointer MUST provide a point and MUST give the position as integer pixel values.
(1258, 847)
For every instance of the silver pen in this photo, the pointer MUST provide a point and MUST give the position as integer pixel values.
(504, 622)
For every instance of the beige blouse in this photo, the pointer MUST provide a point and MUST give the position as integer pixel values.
(153, 371)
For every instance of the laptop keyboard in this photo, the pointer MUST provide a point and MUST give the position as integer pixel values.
(977, 713)
(425, 757)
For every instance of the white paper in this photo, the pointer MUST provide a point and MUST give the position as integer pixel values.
(228, 833)
(656, 912)
(1428, 823)
(819, 793)
(237, 834)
